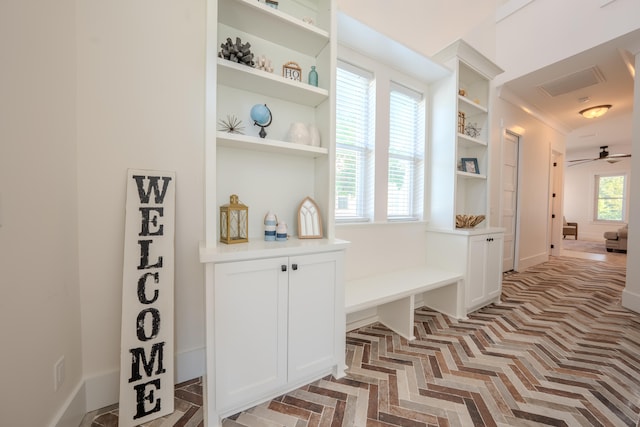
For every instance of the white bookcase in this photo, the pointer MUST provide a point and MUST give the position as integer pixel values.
(453, 190)
(476, 253)
(257, 293)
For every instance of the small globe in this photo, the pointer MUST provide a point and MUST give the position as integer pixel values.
(261, 115)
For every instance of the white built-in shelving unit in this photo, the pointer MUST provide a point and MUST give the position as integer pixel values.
(274, 310)
(476, 252)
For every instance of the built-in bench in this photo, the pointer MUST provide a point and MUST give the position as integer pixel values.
(393, 294)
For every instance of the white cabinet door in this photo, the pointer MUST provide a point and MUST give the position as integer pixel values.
(494, 259)
(484, 274)
(312, 308)
(476, 271)
(250, 329)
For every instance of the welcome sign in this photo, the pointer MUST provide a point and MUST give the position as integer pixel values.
(147, 347)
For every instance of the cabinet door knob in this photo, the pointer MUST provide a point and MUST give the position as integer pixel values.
(283, 267)
(294, 267)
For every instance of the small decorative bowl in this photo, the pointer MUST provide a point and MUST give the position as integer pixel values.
(468, 221)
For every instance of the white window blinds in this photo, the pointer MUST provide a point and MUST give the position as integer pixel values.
(354, 142)
(406, 153)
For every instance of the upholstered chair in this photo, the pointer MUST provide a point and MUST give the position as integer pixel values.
(569, 229)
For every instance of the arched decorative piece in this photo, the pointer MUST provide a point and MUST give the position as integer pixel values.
(309, 220)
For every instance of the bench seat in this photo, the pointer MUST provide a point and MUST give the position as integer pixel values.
(394, 294)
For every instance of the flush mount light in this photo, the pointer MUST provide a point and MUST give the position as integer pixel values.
(593, 112)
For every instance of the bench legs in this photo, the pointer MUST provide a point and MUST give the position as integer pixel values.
(448, 300)
(399, 315)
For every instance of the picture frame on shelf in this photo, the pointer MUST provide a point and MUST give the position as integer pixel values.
(470, 165)
(291, 70)
(271, 3)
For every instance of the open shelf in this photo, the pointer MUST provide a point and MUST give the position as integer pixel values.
(247, 142)
(273, 25)
(469, 175)
(253, 80)
(469, 142)
(468, 103)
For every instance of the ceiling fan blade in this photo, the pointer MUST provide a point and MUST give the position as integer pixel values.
(619, 155)
(582, 160)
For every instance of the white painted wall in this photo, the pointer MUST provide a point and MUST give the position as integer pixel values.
(427, 27)
(543, 32)
(39, 306)
(140, 105)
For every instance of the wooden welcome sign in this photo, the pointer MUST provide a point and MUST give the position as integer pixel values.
(147, 347)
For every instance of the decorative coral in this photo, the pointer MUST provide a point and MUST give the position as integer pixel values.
(468, 221)
(237, 52)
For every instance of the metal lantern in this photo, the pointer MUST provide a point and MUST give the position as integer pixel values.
(234, 221)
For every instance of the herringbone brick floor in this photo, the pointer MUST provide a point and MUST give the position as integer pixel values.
(559, 350)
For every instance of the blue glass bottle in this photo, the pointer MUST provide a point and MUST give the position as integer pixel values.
(313, 76)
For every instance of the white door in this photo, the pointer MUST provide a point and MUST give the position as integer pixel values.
(509, 197)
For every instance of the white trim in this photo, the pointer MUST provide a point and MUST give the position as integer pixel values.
(631, 300)
(73, 410)
(512, 7)
(525, 263)
(507, 95)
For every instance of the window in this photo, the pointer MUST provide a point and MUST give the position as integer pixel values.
(355, 106)
(406, 154)
(610, 198)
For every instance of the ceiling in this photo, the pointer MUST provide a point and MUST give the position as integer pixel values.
(601, 75)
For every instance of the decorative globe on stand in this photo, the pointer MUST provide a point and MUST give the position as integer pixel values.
(261, 116)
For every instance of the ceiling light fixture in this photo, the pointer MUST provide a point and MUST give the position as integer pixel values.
(593, 112)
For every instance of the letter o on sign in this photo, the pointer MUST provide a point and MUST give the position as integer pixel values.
(155, 324)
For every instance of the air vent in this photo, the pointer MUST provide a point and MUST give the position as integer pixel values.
(569, 83)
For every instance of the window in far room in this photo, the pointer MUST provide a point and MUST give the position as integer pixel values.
(610, 198)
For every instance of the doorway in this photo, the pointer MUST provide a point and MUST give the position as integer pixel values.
(555, 204)
(509, 202)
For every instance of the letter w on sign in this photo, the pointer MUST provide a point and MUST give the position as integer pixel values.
(147, 347)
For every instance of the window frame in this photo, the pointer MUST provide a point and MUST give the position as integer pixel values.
(416, 158)
(366, 176)
(384, 74)
(597, 198)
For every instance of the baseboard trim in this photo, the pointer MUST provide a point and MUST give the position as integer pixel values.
(525, 263)
(631, 300)
(73, 410)
(103, 390)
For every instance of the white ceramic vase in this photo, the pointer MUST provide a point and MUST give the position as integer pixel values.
(314, 135)
(299, 134)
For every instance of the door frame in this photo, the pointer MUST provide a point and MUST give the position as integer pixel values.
(516, 234)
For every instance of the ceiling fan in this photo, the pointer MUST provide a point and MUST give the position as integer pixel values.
(603, 155)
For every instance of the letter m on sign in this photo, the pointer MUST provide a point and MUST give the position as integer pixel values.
(146, 338)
